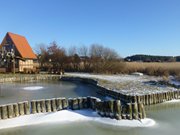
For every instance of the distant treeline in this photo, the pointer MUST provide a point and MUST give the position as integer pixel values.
(93, 59)
(152, 58)
(97, 58)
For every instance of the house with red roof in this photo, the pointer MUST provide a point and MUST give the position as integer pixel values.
(16, 55)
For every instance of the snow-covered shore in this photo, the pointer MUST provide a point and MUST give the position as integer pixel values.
(68, 116)
(128, 84)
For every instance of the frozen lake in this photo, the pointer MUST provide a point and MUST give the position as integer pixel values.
(15, 92)
(165, 115)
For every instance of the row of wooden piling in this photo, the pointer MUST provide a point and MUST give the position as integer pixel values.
(112, 108)
(156, 98)
(22, 78)
(32, 107)
(48, 105)
(146, 99)
(14, 110)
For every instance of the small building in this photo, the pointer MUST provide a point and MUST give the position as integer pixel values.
(16, 55)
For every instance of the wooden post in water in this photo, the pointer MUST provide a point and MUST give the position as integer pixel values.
(102, 109)
(144, 101)
(59, 104)
(53, 105)
(150, 99)
(26, 107)
(4, 112)
(85, 102)
(98, 107)
(21, 108)
(70, 102)
(135, 110)
(80, 103)
(10, 111)
(129, 111)
(88, 102)
(33, 107)
(48, 105)
(111, 108)
(106, 108)
(138, 99)
(16, 109)
(134, 99)
(176, 94)
(140, 110)
(117, 109)
(38, 106)
(64, 103)
(75, 104)
(43, 106)
(123, 112)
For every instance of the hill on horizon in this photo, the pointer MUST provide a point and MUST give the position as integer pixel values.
(152, 58)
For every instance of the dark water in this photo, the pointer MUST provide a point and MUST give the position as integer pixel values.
(166, 115)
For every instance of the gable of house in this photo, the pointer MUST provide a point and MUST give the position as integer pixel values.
(21, 45)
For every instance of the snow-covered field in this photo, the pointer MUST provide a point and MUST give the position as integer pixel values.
(68, 116)
(128, 84)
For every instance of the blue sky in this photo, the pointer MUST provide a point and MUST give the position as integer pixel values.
(128, 26)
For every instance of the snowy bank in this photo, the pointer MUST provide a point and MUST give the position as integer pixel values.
(67, 116)
(128, 84)
(173, 101)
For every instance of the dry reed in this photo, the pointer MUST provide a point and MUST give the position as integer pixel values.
(153, 68)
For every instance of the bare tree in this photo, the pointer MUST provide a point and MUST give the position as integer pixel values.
(110, 54)
(42, 55)
(72, 51)
(38, 48)
(96, 58)
(96, 50)
(57, 57)
(83, 51)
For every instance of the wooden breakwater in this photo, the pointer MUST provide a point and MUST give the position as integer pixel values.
(25, 77)
(111, 109)
(146, 99)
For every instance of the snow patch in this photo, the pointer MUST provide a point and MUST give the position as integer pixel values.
(127, 123)
(137, 74)
(173, 101)
(33, 88)
(68, 116)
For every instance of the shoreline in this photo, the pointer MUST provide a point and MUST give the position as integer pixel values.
(173, 101)
(68, 116)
